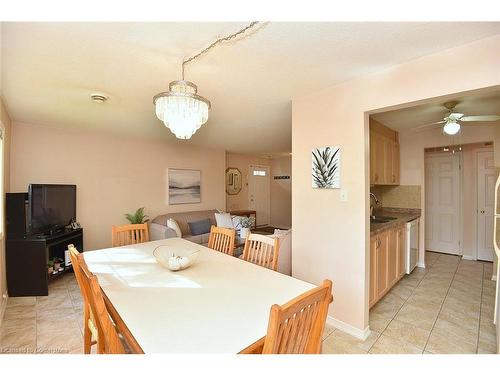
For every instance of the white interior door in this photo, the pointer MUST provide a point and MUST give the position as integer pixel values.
(486, 178)
(442, 203)
(259, 196)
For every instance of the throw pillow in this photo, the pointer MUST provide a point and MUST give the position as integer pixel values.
(200, 227)
(236, 221)
(223, 220)
(172, 224)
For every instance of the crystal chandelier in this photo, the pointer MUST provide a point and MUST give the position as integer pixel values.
(180, 108)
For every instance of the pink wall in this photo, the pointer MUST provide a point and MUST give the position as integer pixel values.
(412, 147)
(114, 175)
(331, 238)
(281, 190)
(6, 123)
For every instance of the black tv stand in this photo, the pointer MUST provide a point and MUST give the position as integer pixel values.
(26, 260)
(27, 255)
(51, 233)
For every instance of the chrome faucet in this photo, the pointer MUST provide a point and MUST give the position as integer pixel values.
(375, 198)
(376, 202)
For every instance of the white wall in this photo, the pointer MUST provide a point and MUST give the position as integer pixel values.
(281, 190)
(113, 175)
(412, 146)
(331, 238)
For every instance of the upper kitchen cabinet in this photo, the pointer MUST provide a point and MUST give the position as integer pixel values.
(384, 155)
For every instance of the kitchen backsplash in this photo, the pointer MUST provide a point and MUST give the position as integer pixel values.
(402, 196)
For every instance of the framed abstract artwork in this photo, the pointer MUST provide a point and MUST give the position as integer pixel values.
(184, 186)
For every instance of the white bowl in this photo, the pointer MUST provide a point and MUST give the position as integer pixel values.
(175, 258)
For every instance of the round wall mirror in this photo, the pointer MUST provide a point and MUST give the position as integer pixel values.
(233, 181)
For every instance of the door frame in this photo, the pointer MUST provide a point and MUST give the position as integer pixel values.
(268, 175)
(475, 152)
(460, 199)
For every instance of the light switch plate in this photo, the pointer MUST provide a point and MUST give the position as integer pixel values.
(343, 195)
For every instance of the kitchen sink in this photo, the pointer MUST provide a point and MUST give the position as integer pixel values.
(381, 219)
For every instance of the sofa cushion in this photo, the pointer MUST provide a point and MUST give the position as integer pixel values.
(200, 226)
(172, 224)
(183, 218)
(201, 239)
(223, 220)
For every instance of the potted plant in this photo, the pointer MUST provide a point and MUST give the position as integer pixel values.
(246, 223)
(50, 267)
(57, 263)
(137, 217)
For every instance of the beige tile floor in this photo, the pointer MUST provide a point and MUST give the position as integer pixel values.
(445, 308)
(50, 324)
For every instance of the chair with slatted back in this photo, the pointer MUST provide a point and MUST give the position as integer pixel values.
(112, 342)
(129, 234)
(261, 250)
(90, 333)
(222, 239)
(297, 326)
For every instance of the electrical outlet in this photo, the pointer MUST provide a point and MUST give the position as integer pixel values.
(343, 195)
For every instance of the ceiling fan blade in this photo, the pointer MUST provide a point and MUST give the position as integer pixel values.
(481, 118)
(428, 126)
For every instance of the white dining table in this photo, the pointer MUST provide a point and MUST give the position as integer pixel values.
(218, 305)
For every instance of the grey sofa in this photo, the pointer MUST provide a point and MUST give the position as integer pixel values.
(158, 229)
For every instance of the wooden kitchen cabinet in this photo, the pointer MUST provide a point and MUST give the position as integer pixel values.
(384, 155)
(382, 265)
(395, 163)
(373, 270)
(392, 261)
(387, 261)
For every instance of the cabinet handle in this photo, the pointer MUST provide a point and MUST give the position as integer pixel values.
(482, 211)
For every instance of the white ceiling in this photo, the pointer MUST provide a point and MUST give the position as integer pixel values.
(482, 103)
(49, 70)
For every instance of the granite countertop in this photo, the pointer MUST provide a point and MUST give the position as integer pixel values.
(402, 215)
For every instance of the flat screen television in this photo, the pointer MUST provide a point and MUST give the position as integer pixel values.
(51, 207)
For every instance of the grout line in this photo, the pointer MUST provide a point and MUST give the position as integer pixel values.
(480, 309)
(405, 300)
(442, 303)
(36, 323)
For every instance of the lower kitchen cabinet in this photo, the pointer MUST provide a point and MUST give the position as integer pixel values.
(387, 261)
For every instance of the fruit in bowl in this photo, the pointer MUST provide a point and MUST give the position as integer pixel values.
(175, 258)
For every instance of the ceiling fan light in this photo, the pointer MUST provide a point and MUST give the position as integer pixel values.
(451, 128)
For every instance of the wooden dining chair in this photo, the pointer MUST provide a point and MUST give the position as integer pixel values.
(297, 326)
(90, 333)
(129, 234)
(261, 250)
(222, 239)
(112, 342)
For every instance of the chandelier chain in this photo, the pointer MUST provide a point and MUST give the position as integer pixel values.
(220, 40)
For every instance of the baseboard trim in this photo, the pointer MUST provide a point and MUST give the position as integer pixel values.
(3, 306)
(361, 334)
(468, 257)
(421, 265)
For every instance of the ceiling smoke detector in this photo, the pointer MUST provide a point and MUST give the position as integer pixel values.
(98, 97)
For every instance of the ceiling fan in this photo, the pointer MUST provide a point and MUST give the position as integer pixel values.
(453, 120)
